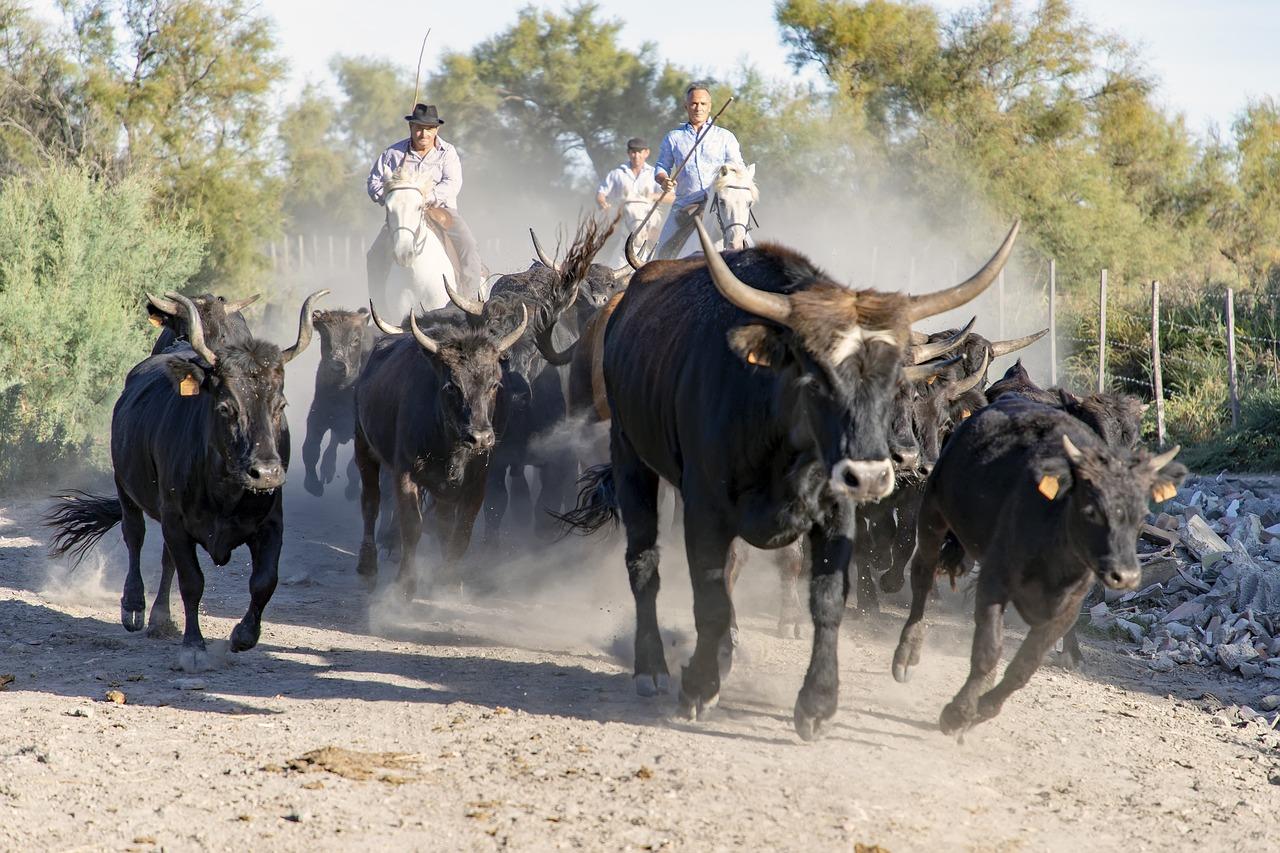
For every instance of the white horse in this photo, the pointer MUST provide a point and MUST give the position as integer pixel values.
(633, 209)
(421, 263)
(727, 215)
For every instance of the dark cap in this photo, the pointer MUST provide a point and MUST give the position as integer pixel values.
(425, 114)
(635, 143)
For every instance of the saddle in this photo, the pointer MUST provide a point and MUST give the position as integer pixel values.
(440, 220)
(685, 218)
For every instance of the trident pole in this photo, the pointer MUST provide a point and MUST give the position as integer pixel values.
(680, 167)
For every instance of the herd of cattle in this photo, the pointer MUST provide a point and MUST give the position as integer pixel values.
(791, 413)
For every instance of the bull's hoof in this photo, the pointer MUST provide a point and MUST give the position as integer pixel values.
(313, 485)
(904, 657)
(809, 727)
(367, 564)
(892, 581)
(163, 629)
(132, 620)
(651, 685)
(244, 637)
(691, 709)
(955, 719)
(193, 659)
(901, 673)
(408, 589)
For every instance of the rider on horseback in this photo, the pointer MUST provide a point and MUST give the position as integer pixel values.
(425, 153)
(718, 148)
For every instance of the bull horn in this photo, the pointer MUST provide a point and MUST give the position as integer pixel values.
(542, 256)
(929, 304)
(928, 352)
(1073, 452)
(633, 260)
(622, 272)
(474, 307)
(771, 306)
(383, 326)
(167, 306)
(922, 372)
(423, 339)
(1155, 463)
(999, 348)
(304, 328)
(964, 386)
(918, 338)
(510, 340)
(545, 346)
(241, 304)
(195, 328)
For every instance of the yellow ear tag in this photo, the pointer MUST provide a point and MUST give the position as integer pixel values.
(931, 380)
(155, 320)
(1164, 491)
(1048, 487)
(188, 387)
(964, 414)
(755, 358)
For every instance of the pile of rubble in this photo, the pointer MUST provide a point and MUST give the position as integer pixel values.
(1211, 583)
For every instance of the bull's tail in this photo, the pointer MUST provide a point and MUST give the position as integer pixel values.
(597, 503)
(79, 520)
(952, 560)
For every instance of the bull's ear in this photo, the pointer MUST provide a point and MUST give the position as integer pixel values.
(187, 377)
(759, 345)
(1166, 475)
(1051, 477)
(363, 312)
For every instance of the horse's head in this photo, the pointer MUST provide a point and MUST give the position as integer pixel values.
(404, 200)
(734, 193)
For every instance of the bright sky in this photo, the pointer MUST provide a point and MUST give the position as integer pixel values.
(1210, 56)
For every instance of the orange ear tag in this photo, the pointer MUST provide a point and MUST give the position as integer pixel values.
(755, 358)
(188, 387)
(155, 320)
(965, 414)
(1164, 491)
(931, 380)
(1048, 487)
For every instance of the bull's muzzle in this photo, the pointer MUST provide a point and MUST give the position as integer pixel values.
(265, 475)
(863, 480)
(1119, 576)
(905, 460)
(479, 439)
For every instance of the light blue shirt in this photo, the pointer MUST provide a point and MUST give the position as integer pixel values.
(717, 148)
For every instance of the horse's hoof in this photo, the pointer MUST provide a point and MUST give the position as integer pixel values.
(243, 638)
(193, 659)
(651, 685)
(808, 727)
(313, 485)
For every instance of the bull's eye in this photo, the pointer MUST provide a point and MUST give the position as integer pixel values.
(450, 389)
(1091, 512)
(226, 410)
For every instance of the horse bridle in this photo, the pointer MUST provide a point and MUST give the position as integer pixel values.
(719, 212)
(419, 234)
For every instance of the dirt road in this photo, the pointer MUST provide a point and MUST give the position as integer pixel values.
(512, 722)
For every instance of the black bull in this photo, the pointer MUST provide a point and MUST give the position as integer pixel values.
(769, 438)
(199, 442)
(1046, 507)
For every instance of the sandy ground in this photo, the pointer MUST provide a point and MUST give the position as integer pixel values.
(512, 722)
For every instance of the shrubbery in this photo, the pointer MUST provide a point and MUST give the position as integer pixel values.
(76, 258)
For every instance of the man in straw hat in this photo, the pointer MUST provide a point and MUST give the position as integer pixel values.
(426, 153)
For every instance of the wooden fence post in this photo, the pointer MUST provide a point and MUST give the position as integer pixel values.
(275, 265)
(346, 243)
(1053, 322)
(302, 252)
(1231, 359)
(1157, 380)
(331, 251)
(1102, 332)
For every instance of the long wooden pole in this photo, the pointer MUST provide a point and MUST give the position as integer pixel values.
(1231, 359)
(1102, 332)
(1000, 304)
(1157, 379)
(1053, 322)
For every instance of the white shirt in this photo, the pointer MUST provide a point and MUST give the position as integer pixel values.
(621, 184)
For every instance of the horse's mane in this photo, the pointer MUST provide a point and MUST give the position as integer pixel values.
(731, 174)
(405, 175)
